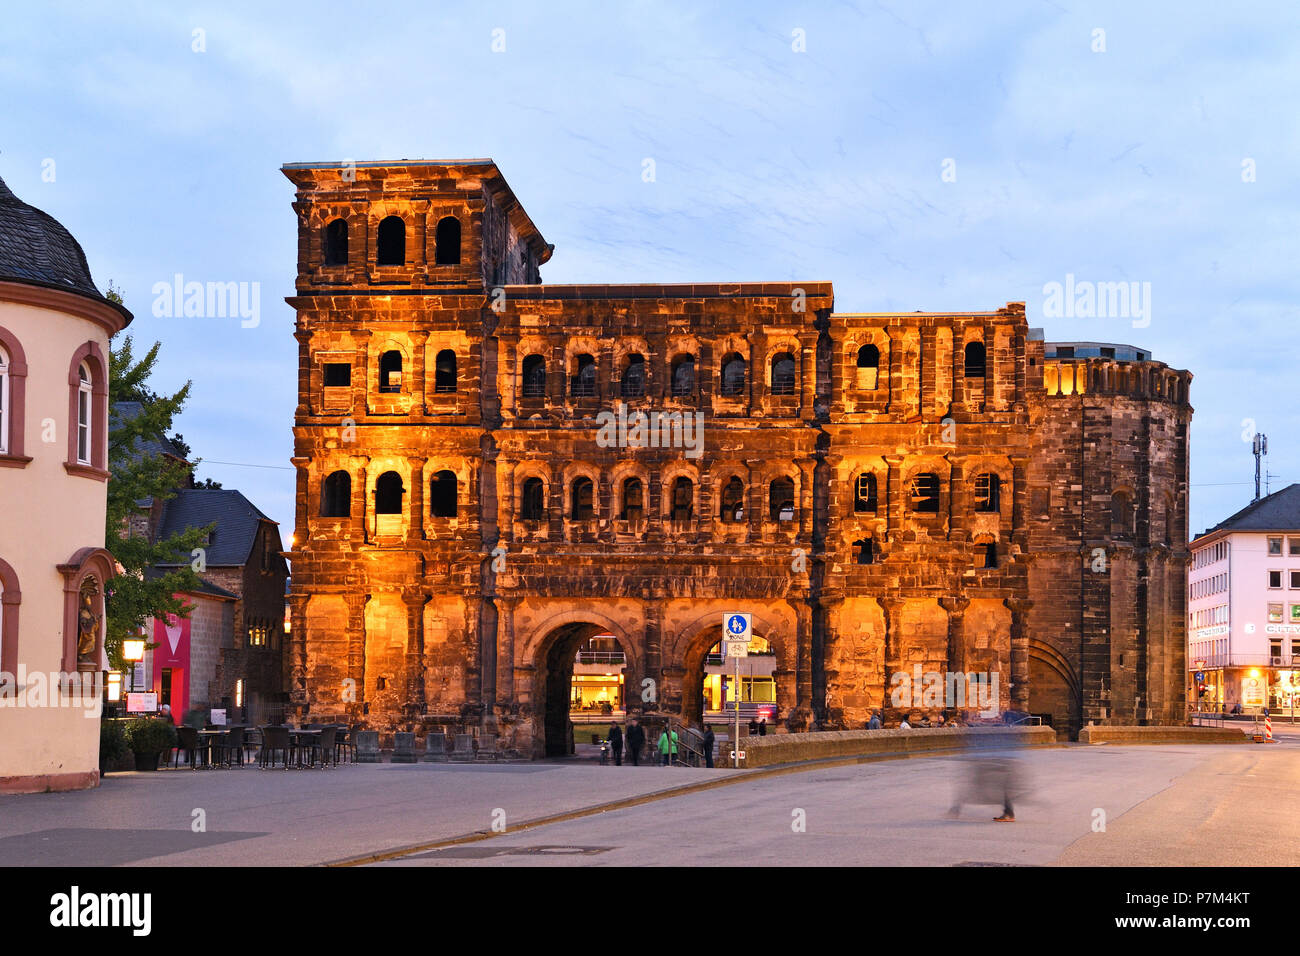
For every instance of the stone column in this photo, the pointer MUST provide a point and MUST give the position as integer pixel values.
(419, 388)
(507, 507)
(508, 372)
(956, 608)
(360, 499)
(298, 652)
(356, 604)
(1020, 500)
(897, 391)
(555, 503)
(413, 700)
(958, 500)
(895, 497)
(807, 374)
(893, 608)
(927, 372)
(305, 404)
(306, 502)
(805, 708)
(505, 688)
(757, 372)
(754, 500)
(805, 500)
(415, 521)
(1019, 652)
(654, 668)
(958, 370)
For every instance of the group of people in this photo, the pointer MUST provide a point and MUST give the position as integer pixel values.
(877, 722)
(667, 744)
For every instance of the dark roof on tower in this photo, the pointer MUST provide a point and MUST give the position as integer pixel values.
(35, 249)
(1279, 511)
(236, 517)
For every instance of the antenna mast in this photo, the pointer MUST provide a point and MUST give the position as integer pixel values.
(1260, 447)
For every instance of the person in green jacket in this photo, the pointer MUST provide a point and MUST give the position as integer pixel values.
(668, 745)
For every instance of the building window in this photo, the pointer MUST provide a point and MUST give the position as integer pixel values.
(1294, 546)
(336, 243)
(388, 494)
(783, 374)
(338, 374)
(442, 495)
(1275, 614)
(1121, 515)
(84, 406)
(733, 375)
(1274, 546)
(391, 242)
(683, 499)
(990, 555)
(781, 500)
(988, 493)
(864, 499)
(733, 501)
(583, 384)
(1274, 649)
(257, 633)
(582, 492)
(633, 500)
(534, 376)
(634, 376)
(974, 360)
(925, 493)
(868, 367)
(533, 504)
(336, 495)
(1275, 580)
(447, 242)
(444, 372)
(4, 402)
(683, 375)
(390, 371)
(864, 551)
(1295, 580)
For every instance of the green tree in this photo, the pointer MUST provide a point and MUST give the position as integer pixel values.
(136, 475)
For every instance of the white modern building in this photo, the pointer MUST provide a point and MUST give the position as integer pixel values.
(1244, 609)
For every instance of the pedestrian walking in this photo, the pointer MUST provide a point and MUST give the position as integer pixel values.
(708, 746)
(668, 745)
(635, 741)
(762, 727)
(616, 743)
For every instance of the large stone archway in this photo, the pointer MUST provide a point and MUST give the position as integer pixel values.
(1053, 687)
(693, 645)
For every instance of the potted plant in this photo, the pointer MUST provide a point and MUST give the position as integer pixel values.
(112, 744)
(149, 739)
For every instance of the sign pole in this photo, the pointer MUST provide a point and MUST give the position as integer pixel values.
(736, 691)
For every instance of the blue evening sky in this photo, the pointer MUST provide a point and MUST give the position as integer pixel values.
(1128, 164)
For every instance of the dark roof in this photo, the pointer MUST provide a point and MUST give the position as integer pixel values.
(37, 250)
(205, 587)
(144, 447)
(1280, 511)
(236, 518)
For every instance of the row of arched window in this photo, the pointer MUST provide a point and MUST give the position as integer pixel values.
(390, 242)
(336, 494)
(681, 375)
(974, 364)
(923, 493)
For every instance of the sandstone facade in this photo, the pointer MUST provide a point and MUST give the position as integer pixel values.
(876, 489)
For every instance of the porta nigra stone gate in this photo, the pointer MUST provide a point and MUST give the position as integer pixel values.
(879, 490)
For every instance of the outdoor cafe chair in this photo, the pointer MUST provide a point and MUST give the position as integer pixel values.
(321, 745)
(275, 739)
(229, 745)
(195, 747)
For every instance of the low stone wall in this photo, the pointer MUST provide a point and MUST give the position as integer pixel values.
(792, 748)
(1162, 735)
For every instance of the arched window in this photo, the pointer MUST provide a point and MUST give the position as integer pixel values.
(990, 554)
(864, 496)
(84, 407)
(442, 494)
(447, 241)
(1121, 515)
(532, 506)
(4, 401)
(534, 376)
(388, 494)
(336, 495)
(444, 372)
(868, 367)
(974, 360)
(583, 384)
(783, 374)
(864, 551)
(390, 371)
(781, 500)
(633, 500)
(634, 376)
(988, 493)
(683, 375)
(733, 375)
(733, 501)
(390, 246)
(10, 600)
(925, 493)
(683, 499)
(336, 243)
(581, 507)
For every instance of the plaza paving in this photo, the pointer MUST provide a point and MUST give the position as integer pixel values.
(1177, 805)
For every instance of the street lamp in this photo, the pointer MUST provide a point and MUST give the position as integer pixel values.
(132, 652)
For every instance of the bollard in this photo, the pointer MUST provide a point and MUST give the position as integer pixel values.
(368, 746)
(403, 747)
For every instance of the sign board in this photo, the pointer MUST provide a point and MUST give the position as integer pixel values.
(736, 627)
(1200, 677)
(1200, 665)
(737, 648)
(218, 717)
(1253, 692)
(141, 703)
(740, 756)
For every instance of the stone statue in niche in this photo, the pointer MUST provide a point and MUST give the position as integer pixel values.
(88, 623)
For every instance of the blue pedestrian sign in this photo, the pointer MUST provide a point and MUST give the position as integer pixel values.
(737, 626)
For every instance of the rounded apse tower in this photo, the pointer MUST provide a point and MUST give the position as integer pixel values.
(55, 328)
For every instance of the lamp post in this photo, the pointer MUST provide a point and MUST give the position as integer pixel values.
(133, 653)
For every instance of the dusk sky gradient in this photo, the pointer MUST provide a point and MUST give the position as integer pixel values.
(770, 164)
